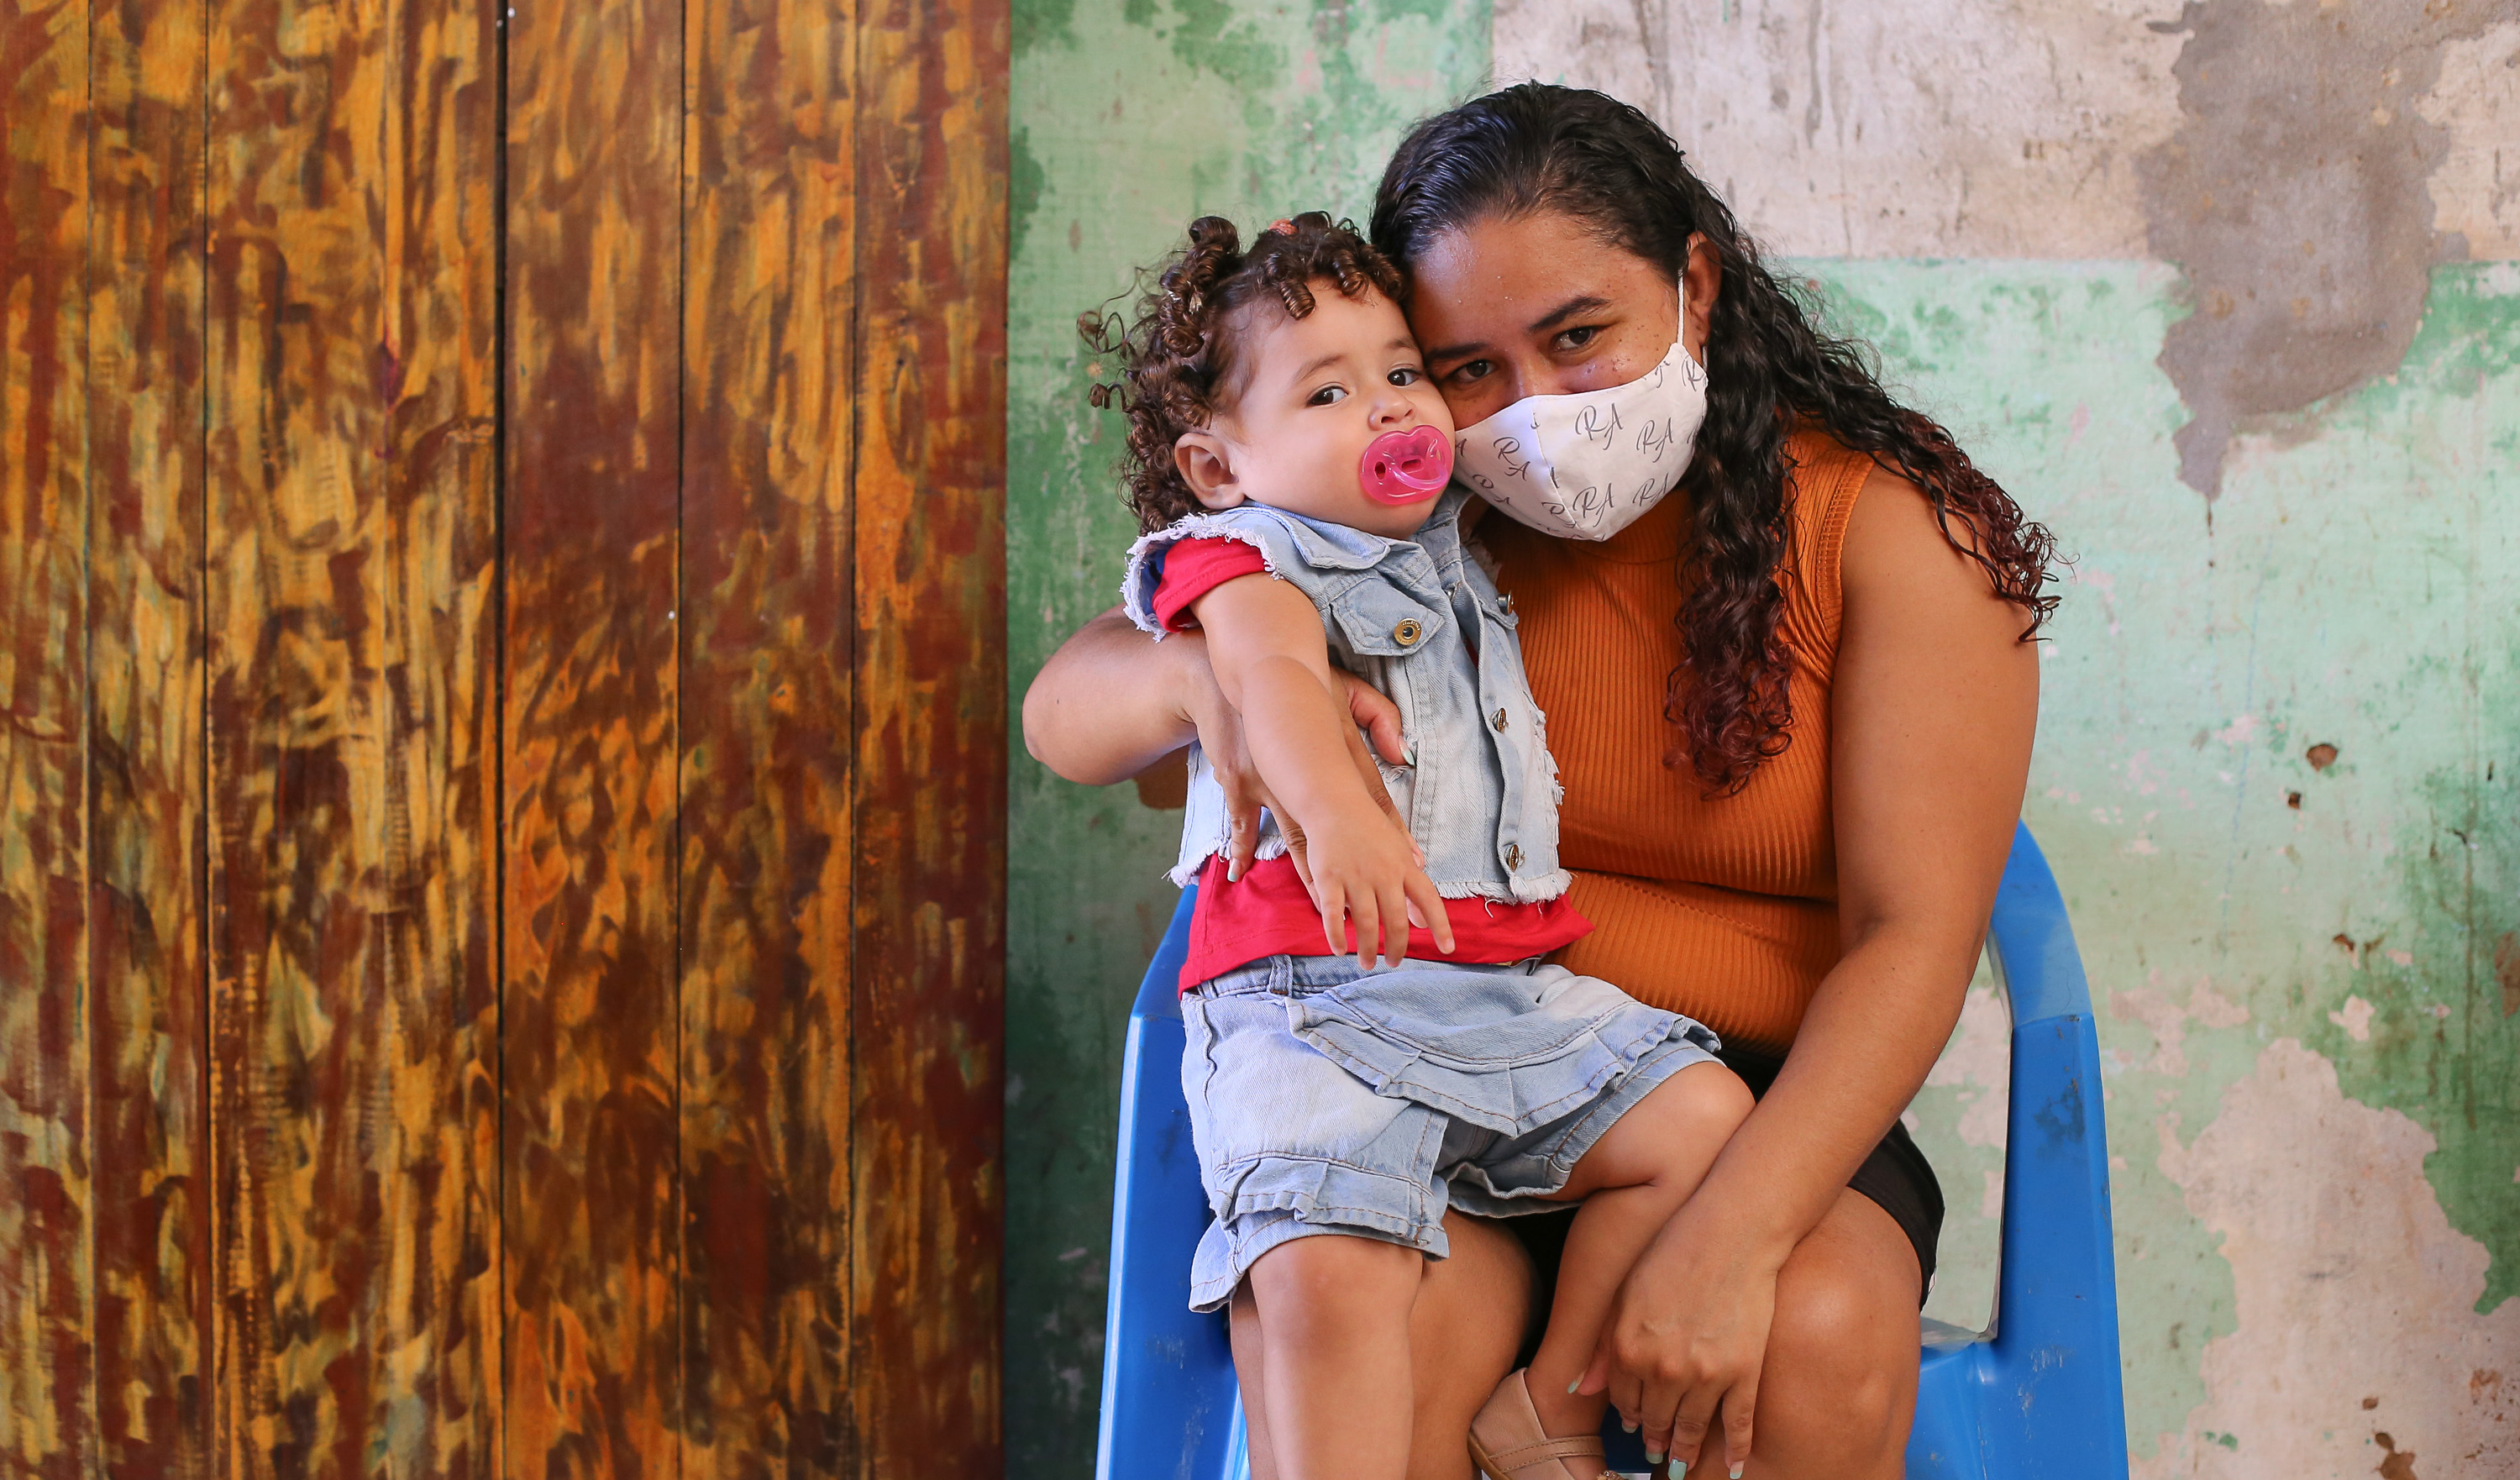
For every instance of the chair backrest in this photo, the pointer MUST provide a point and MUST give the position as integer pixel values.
(1169, 1403)
(2043, 1397)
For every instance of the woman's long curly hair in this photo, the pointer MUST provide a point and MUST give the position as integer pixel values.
(1178, 365)
(1539, 148)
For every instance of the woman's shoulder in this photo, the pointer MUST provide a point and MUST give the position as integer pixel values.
(1823, 481)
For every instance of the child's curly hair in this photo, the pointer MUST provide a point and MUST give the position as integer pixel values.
(1177, 358)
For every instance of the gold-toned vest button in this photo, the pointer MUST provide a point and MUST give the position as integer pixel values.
(1500, 721)
(1407, 632)
(1513, 854)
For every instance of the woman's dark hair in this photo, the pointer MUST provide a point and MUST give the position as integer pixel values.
(1538, 148)
(1177, 359)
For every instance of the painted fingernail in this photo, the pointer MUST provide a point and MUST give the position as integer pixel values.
(1572, 1386)
(1654, 1457)
(1737, 1473)
(1628, 1424)
(1680, 1469)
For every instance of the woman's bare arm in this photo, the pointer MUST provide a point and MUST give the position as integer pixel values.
(1933, 705)
(1112, 702)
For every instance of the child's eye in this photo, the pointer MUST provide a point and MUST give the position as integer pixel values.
(1406, 375)
(1328, 395)
(1579, 336)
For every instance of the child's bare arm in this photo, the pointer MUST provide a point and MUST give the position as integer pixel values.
(1263, 639)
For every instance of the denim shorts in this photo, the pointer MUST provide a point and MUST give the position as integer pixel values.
(1325, 1099)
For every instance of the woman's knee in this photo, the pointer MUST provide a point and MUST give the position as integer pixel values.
(1842, 1360)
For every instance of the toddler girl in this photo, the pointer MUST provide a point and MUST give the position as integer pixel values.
(1289, 461)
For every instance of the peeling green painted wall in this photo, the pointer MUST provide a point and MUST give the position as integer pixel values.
(2358, 589)
(2307, 1010)
(1128, 120)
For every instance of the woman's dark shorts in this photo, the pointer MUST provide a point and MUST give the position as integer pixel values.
(1896, 1175)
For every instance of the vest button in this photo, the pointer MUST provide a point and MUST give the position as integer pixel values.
(1407, 632)
(1513, 854)
(1498, 721)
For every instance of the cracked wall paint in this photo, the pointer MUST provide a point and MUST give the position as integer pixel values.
(2259, 734)
(2356, 1348)
(1128, 119)
(2296, 194)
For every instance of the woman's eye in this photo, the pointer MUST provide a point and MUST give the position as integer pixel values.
(1406, 375)
(1471, 370)
(1579, 336)
(1328, 395)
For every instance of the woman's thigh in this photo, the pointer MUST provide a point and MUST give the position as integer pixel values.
(1839, 1386)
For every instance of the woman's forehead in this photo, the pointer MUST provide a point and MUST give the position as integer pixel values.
(1510, 275)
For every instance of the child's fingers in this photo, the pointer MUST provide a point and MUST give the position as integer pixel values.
(1394, 903)
(1429, 905)
(1333, 902)
(1369, 924)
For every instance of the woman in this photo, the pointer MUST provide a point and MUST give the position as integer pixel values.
(1793, 702)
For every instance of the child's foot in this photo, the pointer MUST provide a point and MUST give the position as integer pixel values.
(1509, 1443)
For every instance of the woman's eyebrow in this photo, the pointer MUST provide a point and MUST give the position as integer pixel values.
(1580, 304)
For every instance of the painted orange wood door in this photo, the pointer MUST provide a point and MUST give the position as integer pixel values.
(501, 738)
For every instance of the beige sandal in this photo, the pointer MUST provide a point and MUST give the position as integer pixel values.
(1507, 1442)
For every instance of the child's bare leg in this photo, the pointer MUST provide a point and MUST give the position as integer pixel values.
(1462, 1332)
(1250, 1369)
(1631, 1181)
(1333, 1339)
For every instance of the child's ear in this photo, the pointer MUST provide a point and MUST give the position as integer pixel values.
(1207, 466)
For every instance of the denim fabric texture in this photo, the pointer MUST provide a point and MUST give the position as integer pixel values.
(1325, 1100)
(1422, 621)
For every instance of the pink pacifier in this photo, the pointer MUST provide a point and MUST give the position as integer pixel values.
(1406, 467)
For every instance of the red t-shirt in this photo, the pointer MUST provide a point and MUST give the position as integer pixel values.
(1267, 912)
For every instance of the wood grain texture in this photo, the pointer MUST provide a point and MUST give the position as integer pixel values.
(591, 1220)
(422, 1052)
(348, 379)
(146, 743)
(441, 1363)
(47, 1208)
(930, 683)
(765, 868)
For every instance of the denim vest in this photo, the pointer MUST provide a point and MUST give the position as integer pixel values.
(1480, 794)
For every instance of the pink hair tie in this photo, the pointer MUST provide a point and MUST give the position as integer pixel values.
(1283, 227)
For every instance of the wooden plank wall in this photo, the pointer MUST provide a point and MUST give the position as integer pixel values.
(501, 738)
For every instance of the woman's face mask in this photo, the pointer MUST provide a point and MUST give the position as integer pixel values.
(1586, 465)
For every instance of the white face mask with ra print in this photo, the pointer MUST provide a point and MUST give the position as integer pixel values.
(1586, 465)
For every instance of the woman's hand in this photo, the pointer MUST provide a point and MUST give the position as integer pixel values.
(1221, 740)
(1687, 1337)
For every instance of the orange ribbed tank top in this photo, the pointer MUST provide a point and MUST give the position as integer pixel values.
(1723, 908)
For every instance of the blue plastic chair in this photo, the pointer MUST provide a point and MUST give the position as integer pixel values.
(2037, 1399)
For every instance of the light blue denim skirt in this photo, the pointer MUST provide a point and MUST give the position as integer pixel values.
(1323, 1099)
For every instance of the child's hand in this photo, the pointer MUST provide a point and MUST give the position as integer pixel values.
(1366, 868)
